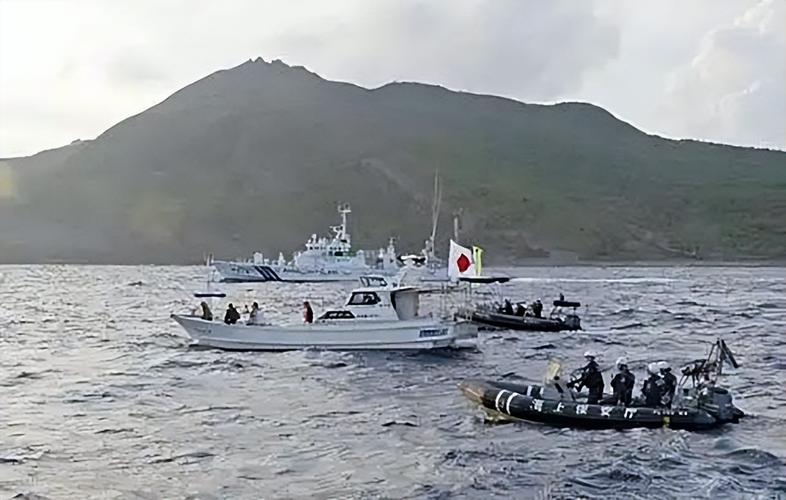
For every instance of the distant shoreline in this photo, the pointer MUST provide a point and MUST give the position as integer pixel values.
(538, 263)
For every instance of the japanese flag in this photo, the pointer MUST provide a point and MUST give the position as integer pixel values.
(461, 262)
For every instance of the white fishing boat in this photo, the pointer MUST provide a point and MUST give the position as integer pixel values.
(324, 259)
(378, 316)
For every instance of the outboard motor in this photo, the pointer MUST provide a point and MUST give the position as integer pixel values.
(573, 322)
(718, 402)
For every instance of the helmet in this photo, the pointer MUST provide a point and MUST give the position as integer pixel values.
(652, 368)
(664, 365)
(622, 361)
(590, 354)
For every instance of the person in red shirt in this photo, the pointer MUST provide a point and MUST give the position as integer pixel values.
(308, 313)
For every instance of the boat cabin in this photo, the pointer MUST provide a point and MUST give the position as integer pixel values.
(378, 303)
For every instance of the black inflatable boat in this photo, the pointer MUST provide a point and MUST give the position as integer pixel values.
(512, 322)
(699, 404)
(556, 322)
(532, 403)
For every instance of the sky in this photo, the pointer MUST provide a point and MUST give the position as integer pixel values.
(713, 70)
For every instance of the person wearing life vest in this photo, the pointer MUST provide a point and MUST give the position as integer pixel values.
(537, 308)
(591, 378)
(654, 387)
(622, 384)
(669, 381)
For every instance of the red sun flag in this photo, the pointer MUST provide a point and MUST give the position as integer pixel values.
(463, 263)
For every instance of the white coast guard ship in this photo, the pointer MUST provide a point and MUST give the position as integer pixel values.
(324, 259)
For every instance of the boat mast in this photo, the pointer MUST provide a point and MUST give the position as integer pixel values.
(435, 204)
(456, 224)
(342, 233)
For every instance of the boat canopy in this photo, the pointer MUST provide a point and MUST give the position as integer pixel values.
(406, 302)
(384, 303)
(485, 279)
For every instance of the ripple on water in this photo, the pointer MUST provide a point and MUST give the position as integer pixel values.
(107, 388)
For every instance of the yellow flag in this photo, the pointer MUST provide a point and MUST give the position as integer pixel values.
(477, 256)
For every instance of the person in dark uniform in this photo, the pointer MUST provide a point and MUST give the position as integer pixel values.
(508, 308)
(622, 384)
(654, 387)
(537, 308)
(232, 315)
(669, 381)
(591, 378)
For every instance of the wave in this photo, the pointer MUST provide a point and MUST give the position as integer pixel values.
(632, 281)
(755, 456)
(628, 326)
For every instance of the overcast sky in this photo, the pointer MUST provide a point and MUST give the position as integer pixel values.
(707, 69)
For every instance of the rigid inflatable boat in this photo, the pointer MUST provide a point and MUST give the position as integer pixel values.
(699, 404)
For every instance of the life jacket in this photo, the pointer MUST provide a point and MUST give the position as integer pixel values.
(653, 390)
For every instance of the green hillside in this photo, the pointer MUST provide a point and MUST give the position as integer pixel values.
(256, 157)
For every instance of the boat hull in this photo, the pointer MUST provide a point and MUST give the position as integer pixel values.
(528, 323)
(526, 402)
(241, 272)
(366, 335)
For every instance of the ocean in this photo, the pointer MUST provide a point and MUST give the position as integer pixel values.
(103, 398)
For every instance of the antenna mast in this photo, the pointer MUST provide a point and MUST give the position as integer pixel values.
(435, 205)
(457, 224)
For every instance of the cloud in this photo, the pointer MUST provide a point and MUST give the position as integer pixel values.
(520, 48)
(734, 89)
(65, 80)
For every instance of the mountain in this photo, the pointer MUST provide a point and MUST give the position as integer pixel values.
(258, 156)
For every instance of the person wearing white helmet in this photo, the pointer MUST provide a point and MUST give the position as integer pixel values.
(654, 387)
(622, 384)
(670, 382)
(591, 378)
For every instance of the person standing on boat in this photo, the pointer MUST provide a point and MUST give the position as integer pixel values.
(537, 308)
(508, 308)
(207, 314)
(669, 381)
(232, 315)
(622, 384)
(255, 316)
(654, 387)
(308, 313)
(591, 378)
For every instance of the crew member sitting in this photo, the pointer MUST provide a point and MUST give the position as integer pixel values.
(207, 314)
(255, 316)
(232, 315)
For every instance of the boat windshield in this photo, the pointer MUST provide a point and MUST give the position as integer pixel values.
(373, 281)
(337, 315)
(364, 299)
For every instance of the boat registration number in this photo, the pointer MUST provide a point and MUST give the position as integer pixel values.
(433, 332)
